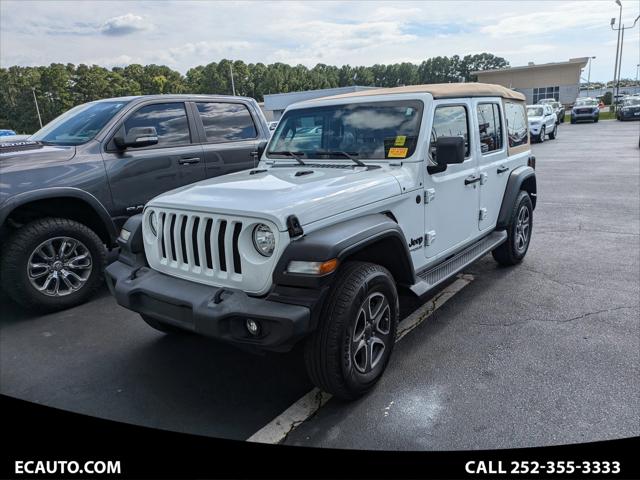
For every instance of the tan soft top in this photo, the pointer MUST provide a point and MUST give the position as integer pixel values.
(441, 90)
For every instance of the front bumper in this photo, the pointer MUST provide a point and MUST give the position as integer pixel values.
(220, 313)
(630, 114)
(585, 116)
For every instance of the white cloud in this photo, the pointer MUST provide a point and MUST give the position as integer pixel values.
(124, 25)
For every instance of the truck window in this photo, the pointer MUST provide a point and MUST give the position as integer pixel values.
(449, 121)
(490, 127)
(516, 123)
(169, 120)
(226, 122)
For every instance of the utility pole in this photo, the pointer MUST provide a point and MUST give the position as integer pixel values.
(618, 66)
(233, 85)
(33, 90)
(589, 77)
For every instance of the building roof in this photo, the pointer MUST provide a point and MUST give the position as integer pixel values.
(581, 62)
(442, 90)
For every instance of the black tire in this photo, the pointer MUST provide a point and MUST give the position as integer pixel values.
(332, 361)
(573, 121)
(554, 133)
(19, 250)
(542, 134)
(595, 120)
(512, 251)
(161, 326)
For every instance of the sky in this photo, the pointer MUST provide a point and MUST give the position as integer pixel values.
(184, 34)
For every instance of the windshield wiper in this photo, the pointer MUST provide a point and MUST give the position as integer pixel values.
(350, 156)
(294, 155)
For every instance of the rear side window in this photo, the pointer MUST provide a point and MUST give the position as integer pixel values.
(226, 122)
(516, 123)
(169, 120)
(449, 121)
(490, 126)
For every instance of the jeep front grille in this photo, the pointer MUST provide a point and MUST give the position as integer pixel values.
(207, 244)
(210, 248)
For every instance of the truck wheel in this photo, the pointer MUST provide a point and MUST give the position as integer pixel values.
(349, 350)
(573, 121)
(542, 135)
(51, 264)
(519, 230)
(554, 133)
(595, 120)
(161, 326)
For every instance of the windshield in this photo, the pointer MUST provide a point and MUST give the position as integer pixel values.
(586, 103)
(78, 125)
(375, 130)
(630, 102)
(535, 111)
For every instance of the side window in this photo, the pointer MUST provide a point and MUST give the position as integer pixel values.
(449, 121)
(226, 122)
(516, 123)
(490, 126)
(169, 120)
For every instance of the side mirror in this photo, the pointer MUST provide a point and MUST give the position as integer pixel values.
(448, 150)
(137, 137)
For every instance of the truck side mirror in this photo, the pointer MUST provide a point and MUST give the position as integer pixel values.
(448, 150)
(137, 137)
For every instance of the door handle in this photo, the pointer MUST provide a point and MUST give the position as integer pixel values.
(502, 169)
(189, 160)
(471, 179)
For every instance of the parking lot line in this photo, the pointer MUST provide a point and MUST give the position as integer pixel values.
(278, 429)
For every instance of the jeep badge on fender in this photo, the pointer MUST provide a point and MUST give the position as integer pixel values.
(220, 257)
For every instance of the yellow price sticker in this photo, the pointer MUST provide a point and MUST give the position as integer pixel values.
(398, 152)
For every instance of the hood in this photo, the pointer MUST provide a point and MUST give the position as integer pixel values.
(309, 192)
(24, 155)
(534, 119)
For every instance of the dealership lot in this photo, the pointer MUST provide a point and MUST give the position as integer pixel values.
(543, 353)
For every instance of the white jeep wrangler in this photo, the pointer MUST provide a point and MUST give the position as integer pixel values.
(355, 196)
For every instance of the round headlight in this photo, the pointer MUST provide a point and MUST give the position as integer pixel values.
(264, 240)
(153, 223)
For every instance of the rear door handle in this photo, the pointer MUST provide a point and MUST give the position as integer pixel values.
(502, 169)
(471, 179)
(189, 160)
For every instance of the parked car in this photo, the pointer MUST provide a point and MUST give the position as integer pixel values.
(585, 109)
(66, 192)
(542, 122)
(6, 133)
(630, 109)
(13, 138)
(314, 243)
(557, 107)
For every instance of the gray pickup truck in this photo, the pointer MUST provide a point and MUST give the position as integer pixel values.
(66, 191)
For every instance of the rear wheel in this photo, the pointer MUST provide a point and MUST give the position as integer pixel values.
(519, 230)
(350, 349)
(52, 264)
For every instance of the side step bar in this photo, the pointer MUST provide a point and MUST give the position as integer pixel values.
(431, 277)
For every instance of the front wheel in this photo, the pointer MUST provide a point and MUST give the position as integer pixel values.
(52, 264)
(350, 349)
(542, 135)
(554, 133)
(595, 120)
(519, 228)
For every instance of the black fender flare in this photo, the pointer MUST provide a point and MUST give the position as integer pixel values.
(60, 192)
(343, 240)
(521, 178)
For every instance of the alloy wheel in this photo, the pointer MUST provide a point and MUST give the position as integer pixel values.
(371, 333)
(523, 226)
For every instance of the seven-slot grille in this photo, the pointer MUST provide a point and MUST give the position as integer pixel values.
(205, 244)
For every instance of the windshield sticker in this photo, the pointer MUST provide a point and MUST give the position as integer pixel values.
(400, 139)
(398, 152)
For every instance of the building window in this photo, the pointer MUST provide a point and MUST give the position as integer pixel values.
(546, 92)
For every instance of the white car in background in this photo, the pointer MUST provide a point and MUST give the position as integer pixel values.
(542, 122)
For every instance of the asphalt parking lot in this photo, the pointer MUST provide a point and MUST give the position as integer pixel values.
(540, 354)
